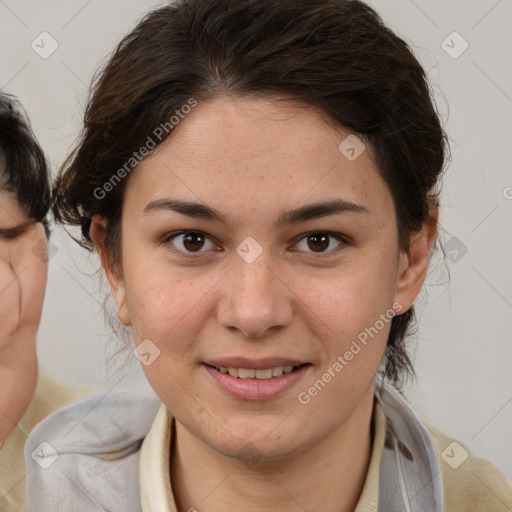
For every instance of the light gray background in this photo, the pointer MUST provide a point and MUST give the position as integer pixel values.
(463, 349)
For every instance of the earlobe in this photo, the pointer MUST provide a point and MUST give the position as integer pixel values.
(112, 272)
(414, 265)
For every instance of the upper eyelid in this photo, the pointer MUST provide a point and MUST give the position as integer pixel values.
(16, 231)
(10, 234)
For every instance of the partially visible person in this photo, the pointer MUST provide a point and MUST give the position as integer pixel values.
(25, 198)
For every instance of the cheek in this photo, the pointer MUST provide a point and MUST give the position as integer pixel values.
(351, 297)
(351, 313)
(164, 304)
(166, 308)
(353, 322)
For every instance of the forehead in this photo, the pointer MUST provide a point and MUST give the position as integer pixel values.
(266, 151)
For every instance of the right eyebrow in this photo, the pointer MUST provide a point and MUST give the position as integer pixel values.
(194, 210)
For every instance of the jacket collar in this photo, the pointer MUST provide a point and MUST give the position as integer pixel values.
(410, 475)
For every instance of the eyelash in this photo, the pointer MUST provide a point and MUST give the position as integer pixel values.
(171, 236)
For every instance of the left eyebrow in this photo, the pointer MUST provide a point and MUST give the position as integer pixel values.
(302, 214)
(317, 210)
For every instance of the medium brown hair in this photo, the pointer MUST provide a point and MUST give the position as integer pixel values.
(336, 55)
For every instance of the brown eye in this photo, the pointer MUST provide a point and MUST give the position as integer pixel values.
(193, 241)
(319, 241)
(190, 242)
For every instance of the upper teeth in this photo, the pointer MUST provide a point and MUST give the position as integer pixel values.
(246, 373)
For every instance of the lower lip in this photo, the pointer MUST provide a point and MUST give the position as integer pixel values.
(255, 389)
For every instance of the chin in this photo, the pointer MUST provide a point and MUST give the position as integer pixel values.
(257, 452)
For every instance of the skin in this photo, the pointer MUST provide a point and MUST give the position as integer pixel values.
(238, 155)
(23, 275)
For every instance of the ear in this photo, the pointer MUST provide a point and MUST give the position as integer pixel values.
(112, 270)
(413, 266)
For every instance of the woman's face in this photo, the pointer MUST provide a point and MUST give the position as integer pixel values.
(251, 241)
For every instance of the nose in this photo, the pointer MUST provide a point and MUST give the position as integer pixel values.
(255, 300)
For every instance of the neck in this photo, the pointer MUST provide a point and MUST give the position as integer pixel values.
(331, 473)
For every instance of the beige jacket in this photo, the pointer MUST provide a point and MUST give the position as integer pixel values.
(48, 397)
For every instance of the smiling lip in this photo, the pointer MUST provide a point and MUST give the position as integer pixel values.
(254, 364)
(255, 389)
